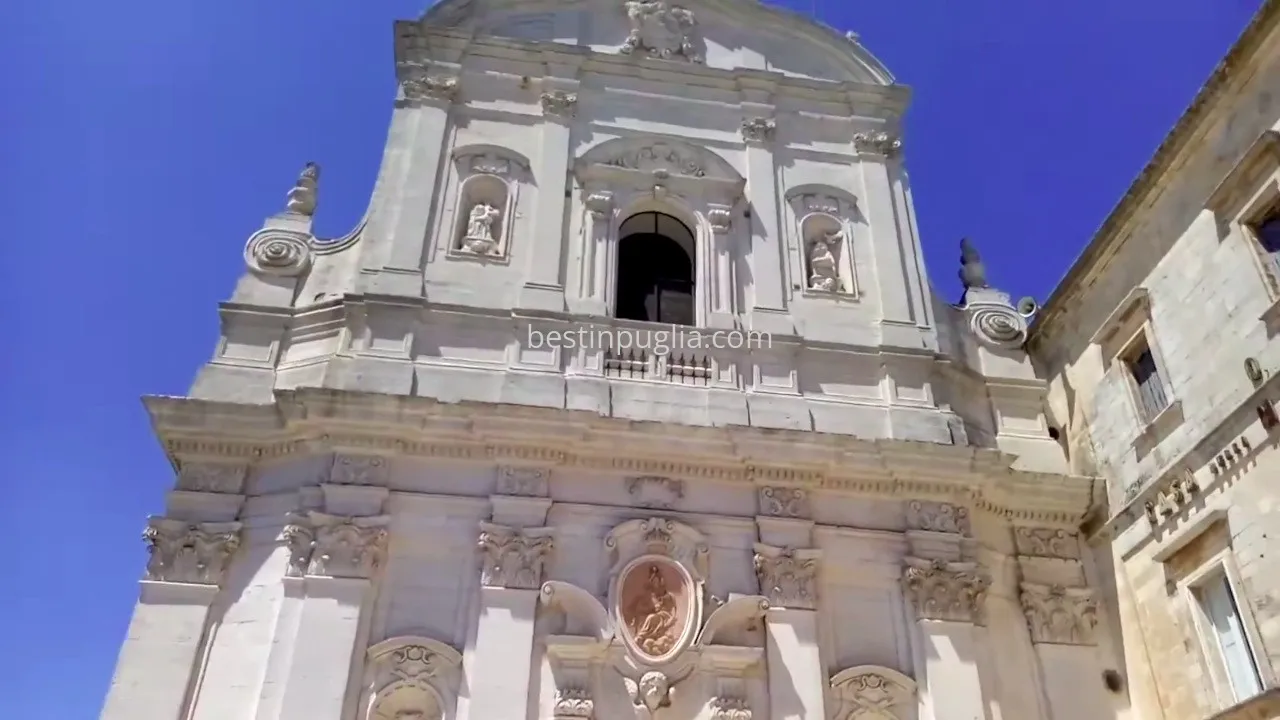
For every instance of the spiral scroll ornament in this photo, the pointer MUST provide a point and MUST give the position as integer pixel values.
(275, 252)
(997, 325)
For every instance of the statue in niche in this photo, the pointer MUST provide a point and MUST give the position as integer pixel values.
(663, 30)
(652, 615)
(823, 274)
(479, 238)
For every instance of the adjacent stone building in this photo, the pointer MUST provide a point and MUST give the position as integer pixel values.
(1161, 350)
(424, 475)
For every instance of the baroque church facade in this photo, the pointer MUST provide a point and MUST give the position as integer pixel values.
(391, 502)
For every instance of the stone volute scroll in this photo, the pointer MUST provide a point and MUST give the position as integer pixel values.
(411, 678)
(993, 320)
(487, 200)
(870, 692)
(825, 219)
(283, 246)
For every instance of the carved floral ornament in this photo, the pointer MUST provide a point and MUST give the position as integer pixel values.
(869, 692)
(419, 84)
(660, 29)
(788, 502)
(212, 477)
(653, 491)
(559, 103)
(196, 553)
(1047, 542)
(513, 558)
(523, 481)
(877, 142)
(661, 166)
(788, 577)
(1060, 615)
(335, 546)
(938, 517)
(940, 590)
(411, 678)
(759, 129)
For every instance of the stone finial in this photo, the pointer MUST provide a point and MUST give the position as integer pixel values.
(302, 198)
(973, 274)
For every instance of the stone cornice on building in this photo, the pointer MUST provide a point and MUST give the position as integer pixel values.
(305, 421)
(1108, 239)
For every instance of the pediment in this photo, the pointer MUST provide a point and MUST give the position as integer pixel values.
(724, 34)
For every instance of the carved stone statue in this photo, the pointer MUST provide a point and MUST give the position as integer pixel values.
(973, 274)
(652, 615)
(479, 238)
(651, 693)
(660, 29)
(301, 200)
(823, 275)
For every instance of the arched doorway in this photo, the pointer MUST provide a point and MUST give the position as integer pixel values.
(655, 269)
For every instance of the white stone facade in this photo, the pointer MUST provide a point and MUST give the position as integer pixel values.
(393, 502)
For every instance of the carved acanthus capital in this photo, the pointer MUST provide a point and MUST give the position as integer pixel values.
(759, 129)
(560, 103)
(513, 558)
(418, 84)
(335, 546)
(211, 477)
(938, 517)
(1058, 615)
(599, 204)
(721, 219)
(1047, 542)
(788, 577)
(182, 552)
(573, 703)
(729, 707)
(877, 143)
(940, 590)
(359, 470)
(787, 502)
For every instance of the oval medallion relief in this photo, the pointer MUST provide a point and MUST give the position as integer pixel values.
(655, 608)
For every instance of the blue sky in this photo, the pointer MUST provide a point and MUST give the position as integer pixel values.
(141, 143)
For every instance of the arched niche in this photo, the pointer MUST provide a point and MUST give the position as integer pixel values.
(823, 233)
(411, 678)
(873, 692)
(486, 201)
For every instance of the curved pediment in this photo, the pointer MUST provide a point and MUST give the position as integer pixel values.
(725, 34)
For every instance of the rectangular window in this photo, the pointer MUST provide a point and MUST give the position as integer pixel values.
(1152, 397)
(1267, 230)
(1227, 635)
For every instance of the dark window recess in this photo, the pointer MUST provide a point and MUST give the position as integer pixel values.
(1267, 414)
(1151, 395)
(655, 274)
(1268, 232)
(626, 363)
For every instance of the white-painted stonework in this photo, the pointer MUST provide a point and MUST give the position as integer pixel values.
(395, 500)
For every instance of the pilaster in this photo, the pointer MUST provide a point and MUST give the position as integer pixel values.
(789, 579)
(876, 155)
(768, 303)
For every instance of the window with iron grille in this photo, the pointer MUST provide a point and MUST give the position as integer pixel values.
(1152, 397)
(1267, 231)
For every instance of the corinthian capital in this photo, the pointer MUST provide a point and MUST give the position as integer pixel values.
(1058, 615)
(335, 546)
(183, 552)
(789, 578)
(513, 558)
(940, 590)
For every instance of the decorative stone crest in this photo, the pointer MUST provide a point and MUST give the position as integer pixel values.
(788, 577)
(940, 590)
(513, 558)
(523, 481)
(335, 546)
(359, 470)
(651, 491)
(877, 143)
(1058, 615)
(574, 703)
(480, 237)
(758, 129)
(658, 536)
(659, 157)
(938, 517)
(788, 502)
(868, 692)
(211, 477)
(1047, 542)
(419, 85)
(196, 553)
(660, 30)
(656, 608)
(280, 252)
(730, 708)
(411, 678)
(824, 275)
(560, 103)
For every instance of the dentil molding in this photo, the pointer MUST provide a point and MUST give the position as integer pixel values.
(940, 590)
(788, 577)
(196, 553)
(335, 546)
(513, 558)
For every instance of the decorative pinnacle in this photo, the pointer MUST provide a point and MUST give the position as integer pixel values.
(973, 274)
(302, 198)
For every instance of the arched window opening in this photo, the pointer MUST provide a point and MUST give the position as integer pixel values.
(655, 269)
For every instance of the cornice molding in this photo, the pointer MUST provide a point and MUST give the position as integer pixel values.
(314, 420)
